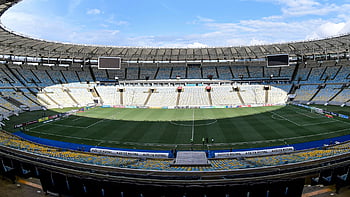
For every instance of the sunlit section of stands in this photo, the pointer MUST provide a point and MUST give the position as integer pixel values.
(163, 96)
(252, 94)
(80, 94)
(277, 96)
(44, 100)
(109, 95)
(194, 96)
(224, 95)
(58, 94)
(135, 96)
(284, 87)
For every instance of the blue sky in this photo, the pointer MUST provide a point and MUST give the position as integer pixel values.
(180, 23)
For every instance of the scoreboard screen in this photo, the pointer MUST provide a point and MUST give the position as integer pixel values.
(109, 63)
(277, 60)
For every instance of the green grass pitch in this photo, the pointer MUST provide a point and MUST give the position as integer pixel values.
(166, 128)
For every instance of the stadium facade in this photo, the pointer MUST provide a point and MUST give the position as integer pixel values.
(38, 73)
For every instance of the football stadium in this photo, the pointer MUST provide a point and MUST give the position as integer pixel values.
(247, 121)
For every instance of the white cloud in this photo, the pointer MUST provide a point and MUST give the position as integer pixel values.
(296, 8)
(27, 24)
(97, 37)
(93, 11)
(328, 29)
(196, 45)
(200, 19)
(288, 26)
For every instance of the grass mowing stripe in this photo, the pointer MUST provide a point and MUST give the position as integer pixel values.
(238, 128)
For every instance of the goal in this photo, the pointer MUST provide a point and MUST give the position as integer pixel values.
(316, 110)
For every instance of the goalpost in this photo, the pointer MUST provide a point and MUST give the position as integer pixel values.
(316, 110)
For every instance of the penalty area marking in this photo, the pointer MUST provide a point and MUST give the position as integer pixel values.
(71, 126)
(306, 113)
(297, 124)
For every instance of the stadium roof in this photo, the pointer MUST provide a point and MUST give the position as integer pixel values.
(12, 43)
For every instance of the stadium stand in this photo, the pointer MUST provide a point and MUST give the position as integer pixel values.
(132, 73)
(15, 142)
(61, 75)
(209, 72)
(194, 72)
(164, 73)
(178, 71)
(148, 73)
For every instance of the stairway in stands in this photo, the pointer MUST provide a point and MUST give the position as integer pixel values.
(150, 91)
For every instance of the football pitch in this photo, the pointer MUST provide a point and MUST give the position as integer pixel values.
(165, 129)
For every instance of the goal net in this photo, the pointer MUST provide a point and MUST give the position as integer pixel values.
(316, 110)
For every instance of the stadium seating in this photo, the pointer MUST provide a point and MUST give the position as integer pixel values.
(319, 82)
(163, 96)
(70, 75)
(84, 75)
(179, 71)
(240, 72)
(224, 95)
(15, 142)
(306, 92)
(327, 93)
(164, 73)
(100, 75)
(194, 72)
(132, 73)
(148, 73)
(224, 72)
(209, 71)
